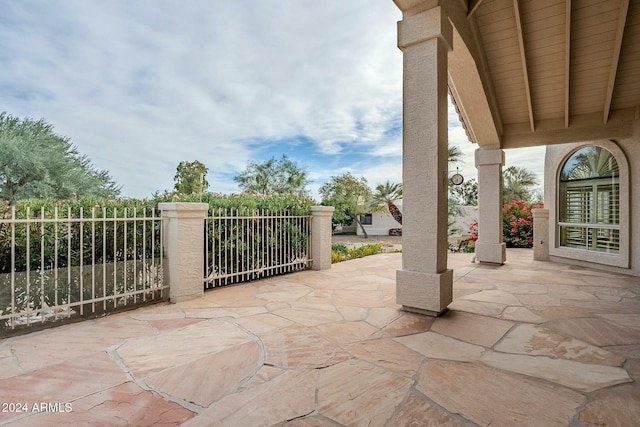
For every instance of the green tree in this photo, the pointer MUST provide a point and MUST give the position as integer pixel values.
(454, 154)
(37, 163)
(590, 162)
(517, 184)
(466, 193)
(384, 197)
(273, 176)
(191, 178)
(349, 195)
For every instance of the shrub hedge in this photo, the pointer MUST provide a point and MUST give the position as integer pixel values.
(44, 246)
(69, 234)
(340, 252)
(517, 224)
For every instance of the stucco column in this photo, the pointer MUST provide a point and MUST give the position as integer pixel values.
(321, 237)
(183, 236)
(424, 284)
(490, 246)
(540, 234)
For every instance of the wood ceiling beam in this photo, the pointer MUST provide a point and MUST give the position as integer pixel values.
(567, 62)
(615, 59)
(470, 78)
(523, 59)
(585, 127)
(473, 5)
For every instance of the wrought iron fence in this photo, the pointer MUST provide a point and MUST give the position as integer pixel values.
(240, 247)
(59, 267)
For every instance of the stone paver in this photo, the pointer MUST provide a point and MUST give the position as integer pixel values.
(64, 382)
(596, 331)
(347, 332)
(483, 308)
(8, 364)
(309, 421)
(205, 380)
(416, 411)
(494, 296)
(409, 323)
(61, 344)
(382, 316)
(311, 314)
(389, 355)
(124, 405)
(474, 329)
(287, 396)
(298, 346)
(369, 397)
(521, 314)
(488, 396)
(266, 322)
(539, 341)
(575, 375)
(148, 355)
(526, 343)
(436, 346)
(619, 406)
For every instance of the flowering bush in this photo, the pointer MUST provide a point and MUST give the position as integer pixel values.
(473, 231)
(517, 223)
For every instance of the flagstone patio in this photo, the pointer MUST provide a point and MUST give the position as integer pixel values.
(524, 344)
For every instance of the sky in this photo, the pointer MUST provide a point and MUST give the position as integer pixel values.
(139, 86)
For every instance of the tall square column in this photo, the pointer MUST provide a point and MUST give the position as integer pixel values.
(425, 284)
(490, 246)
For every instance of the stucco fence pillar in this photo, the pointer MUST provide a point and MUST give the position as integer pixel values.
(183, 236)
(540, 234)
(321, 237)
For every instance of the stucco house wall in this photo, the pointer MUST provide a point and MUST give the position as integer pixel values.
(629, 149)
(381, 223)
(464, 221)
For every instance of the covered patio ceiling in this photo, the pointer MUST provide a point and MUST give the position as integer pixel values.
(538, 72)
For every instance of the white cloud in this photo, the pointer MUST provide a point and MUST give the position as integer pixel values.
(140, 86)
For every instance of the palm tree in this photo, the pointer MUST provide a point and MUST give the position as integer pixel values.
(273, 176)
(590, 162)
(454, 154)
(517, 183)
(388, 193)
(385, 196)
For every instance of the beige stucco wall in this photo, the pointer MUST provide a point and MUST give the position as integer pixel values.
(382, 222)
(469, 214)
(630, 205)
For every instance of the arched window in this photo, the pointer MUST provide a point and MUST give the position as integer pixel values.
(589, 201)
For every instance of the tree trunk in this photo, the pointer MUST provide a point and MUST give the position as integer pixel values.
(395, 212)
(355, 218)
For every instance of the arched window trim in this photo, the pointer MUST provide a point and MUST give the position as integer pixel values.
(620, 259)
